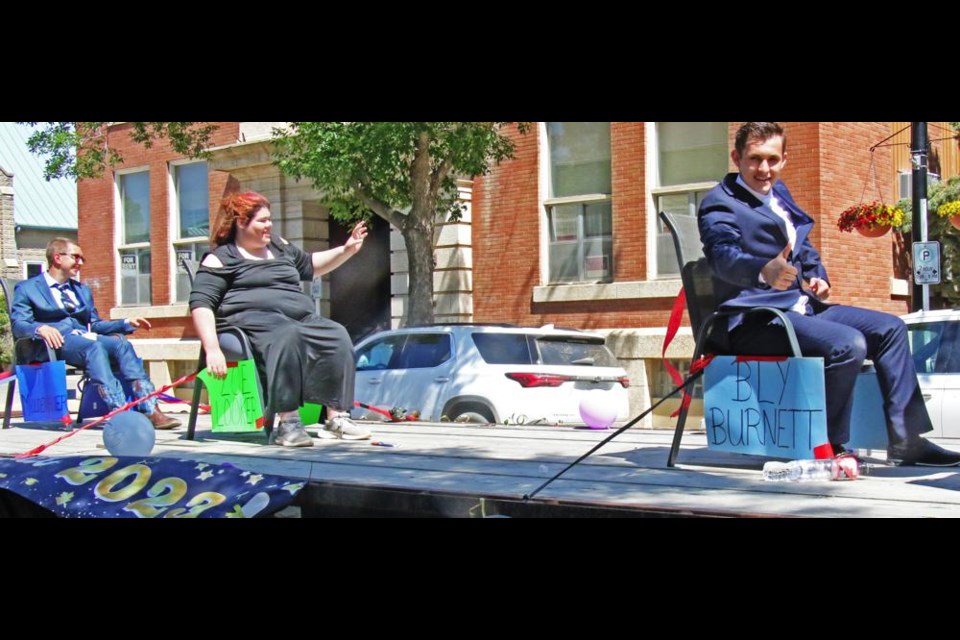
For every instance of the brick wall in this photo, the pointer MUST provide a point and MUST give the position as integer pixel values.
(507, 220)
(97, 223)
(860, 268)
(506, 236)
(828, 166)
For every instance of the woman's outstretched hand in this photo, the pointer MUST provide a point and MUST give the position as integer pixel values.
(357, 236)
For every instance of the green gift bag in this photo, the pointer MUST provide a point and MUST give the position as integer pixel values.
(235, 400)
(310, 413)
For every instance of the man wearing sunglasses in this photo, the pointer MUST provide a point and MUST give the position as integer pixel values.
(58, 309)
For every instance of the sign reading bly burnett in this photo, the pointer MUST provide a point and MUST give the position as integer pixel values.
(765, 406)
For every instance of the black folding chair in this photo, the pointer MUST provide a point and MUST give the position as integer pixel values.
(236, 346)
(697, 279)
(25, 351)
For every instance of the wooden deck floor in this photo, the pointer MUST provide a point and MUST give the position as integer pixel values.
(461, 471)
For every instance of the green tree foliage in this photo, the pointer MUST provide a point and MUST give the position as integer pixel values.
(6, 335)
(82, 150)
(404, 172)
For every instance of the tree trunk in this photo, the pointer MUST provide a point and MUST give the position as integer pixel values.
(419, 240)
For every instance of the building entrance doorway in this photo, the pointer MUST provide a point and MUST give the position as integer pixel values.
(360, 288)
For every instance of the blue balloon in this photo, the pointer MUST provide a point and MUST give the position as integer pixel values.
(129, 434)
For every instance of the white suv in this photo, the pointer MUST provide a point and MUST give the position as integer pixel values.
(935, 343)
(488, 373)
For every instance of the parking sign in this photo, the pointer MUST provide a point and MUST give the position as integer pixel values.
(926, 262)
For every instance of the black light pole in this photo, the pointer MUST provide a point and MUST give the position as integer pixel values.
(918, 159)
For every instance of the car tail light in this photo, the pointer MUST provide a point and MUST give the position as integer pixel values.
(625, 381)
(538, 380)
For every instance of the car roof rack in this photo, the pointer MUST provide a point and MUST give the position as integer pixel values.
(506, 325)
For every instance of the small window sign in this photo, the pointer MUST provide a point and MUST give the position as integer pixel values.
(183, 254)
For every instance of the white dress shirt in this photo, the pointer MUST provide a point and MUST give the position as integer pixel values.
(800, 306)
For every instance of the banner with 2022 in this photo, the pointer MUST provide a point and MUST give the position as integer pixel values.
(145, 487)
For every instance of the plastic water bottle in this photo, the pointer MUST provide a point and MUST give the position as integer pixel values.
(842, 468)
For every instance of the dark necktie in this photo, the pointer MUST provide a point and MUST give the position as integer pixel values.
(68, 305)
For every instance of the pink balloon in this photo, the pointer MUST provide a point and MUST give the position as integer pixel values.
(597, 411)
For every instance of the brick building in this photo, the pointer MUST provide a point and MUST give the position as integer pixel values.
(565, 233)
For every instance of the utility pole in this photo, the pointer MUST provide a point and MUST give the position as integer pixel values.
(918, 160)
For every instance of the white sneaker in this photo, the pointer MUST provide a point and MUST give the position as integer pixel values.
(291, 434)
(346, 429)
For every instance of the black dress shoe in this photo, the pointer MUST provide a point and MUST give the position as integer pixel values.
(922, 453)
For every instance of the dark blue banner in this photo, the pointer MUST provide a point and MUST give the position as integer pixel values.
(145, 487)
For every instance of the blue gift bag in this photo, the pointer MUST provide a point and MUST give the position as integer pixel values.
(43, 391)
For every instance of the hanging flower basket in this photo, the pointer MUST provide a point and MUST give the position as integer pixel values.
(951, 210)
(871, 220)
(873, 232)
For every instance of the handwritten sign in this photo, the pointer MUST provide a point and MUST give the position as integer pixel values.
(235, 400)
(43, 391)
(145, 487)
(765, 407)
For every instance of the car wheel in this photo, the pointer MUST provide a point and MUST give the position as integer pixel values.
(473, 413)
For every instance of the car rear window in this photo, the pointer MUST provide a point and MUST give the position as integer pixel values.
(503, 348)
(566, 351)
(519, 348)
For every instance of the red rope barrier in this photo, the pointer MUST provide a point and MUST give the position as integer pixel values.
(37, 450)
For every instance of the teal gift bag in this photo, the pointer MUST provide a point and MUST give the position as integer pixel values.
(765, 406)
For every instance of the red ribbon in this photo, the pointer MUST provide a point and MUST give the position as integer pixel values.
(676, 315)
(37, 450)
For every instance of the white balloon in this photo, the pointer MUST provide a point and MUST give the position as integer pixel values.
(597, 411)
(129, 434)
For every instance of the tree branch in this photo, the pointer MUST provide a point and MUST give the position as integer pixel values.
(436, 180)
(420, 182)
(388, 213)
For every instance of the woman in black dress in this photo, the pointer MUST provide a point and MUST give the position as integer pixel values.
(251, 280)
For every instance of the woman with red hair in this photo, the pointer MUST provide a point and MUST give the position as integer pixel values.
(251, 280)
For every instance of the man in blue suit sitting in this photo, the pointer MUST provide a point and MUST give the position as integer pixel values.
(58, 309)
(756, 240)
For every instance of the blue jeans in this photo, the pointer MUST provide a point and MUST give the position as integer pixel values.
(98, 359)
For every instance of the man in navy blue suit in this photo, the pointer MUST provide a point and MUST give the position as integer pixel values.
(58, 309)
(756, 240)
